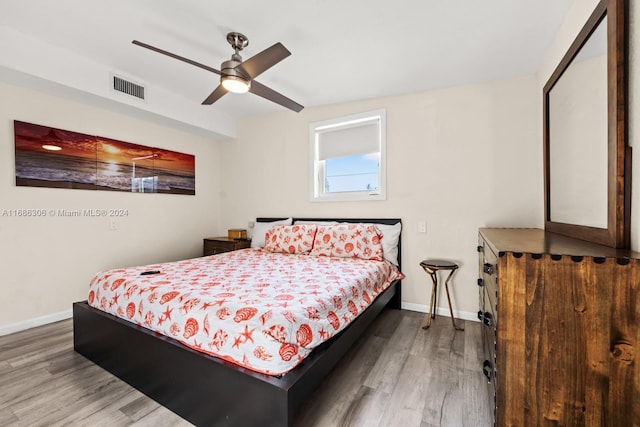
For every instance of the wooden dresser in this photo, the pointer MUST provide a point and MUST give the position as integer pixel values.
(218, 245)
(562, 328)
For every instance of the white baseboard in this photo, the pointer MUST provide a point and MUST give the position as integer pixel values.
(32, 323)
(441, 311)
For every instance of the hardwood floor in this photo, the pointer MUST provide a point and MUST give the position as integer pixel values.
(397, 375)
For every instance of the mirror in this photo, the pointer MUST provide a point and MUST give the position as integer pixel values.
(578, 132)
(587, 162)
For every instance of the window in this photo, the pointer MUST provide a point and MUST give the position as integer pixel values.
(347, 157)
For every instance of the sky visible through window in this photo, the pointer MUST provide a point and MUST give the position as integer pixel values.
(353, 173)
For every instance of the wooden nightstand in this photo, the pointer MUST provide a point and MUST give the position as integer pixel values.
(218, 245)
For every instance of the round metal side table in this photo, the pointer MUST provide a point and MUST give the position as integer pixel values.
(432, 266)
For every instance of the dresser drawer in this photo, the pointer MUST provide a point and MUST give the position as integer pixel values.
(488, 266)
(489, 373)
(487, 317)
(488, 261)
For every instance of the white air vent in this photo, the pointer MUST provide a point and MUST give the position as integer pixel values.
(125, 86)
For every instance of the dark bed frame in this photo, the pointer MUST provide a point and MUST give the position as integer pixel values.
(203, 389)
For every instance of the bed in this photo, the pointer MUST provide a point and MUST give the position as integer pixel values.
(209, 390)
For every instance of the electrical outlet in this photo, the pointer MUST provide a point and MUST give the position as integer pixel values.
(422, 226)
(250, 224)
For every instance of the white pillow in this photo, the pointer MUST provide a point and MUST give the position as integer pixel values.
(390, 237)
(260, 230)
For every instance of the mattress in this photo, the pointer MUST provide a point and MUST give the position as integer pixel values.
(261, 310)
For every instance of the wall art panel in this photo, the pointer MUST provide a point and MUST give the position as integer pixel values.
(57, 158)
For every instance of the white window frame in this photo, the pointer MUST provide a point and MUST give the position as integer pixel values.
(316, 166)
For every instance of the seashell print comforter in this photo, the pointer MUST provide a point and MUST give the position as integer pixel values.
(261, 310)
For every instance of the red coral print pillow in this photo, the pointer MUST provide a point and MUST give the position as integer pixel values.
(348, 241)
(290, 239)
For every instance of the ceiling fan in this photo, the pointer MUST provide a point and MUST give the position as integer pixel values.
(237, 75)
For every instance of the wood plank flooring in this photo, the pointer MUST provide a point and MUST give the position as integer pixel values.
(397, 375)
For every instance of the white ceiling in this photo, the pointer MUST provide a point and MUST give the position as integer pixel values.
(342, 50)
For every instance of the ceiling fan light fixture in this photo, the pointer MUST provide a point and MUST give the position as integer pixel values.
(235, 84)
(239, 76)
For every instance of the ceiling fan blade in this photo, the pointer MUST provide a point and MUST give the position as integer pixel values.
(272, 95)
(174, 56)
(264, 60)
(215, 95)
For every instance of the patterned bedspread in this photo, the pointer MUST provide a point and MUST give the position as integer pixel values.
(264, 311)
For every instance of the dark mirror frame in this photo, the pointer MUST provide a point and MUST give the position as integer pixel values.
(617, 234)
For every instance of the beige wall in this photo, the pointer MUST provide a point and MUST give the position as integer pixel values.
(458, 158)
(47, 263)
